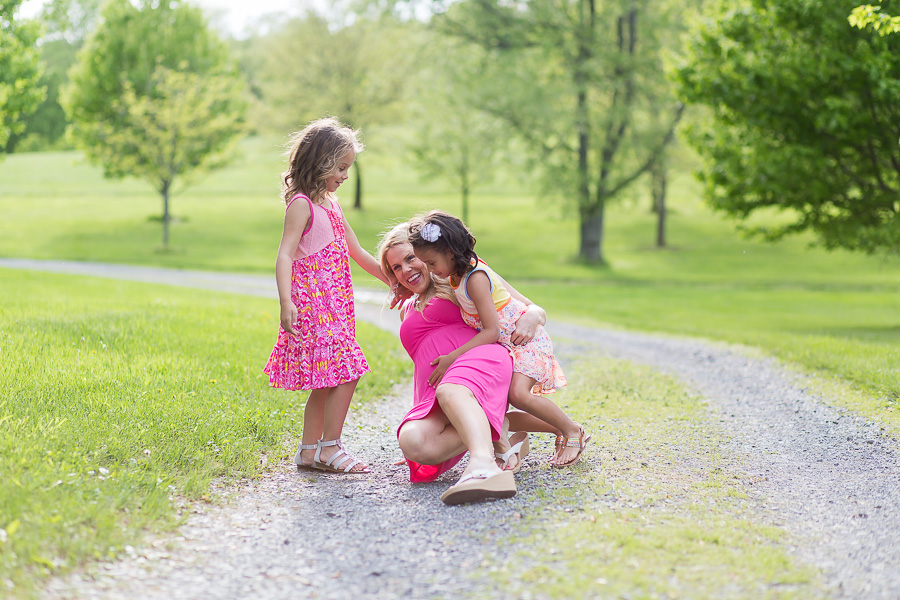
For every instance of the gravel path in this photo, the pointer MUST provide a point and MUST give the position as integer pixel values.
(832, 479)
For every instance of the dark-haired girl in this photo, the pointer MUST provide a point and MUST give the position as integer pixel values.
(491, 306)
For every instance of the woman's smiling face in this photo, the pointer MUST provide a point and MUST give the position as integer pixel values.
(410, 272)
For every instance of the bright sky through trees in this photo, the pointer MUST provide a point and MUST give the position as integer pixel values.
(234, 15)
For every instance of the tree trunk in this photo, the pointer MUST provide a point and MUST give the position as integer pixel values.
(464, 183)
(166, 217)
(659, 176)
(592, 235)
(357, 203)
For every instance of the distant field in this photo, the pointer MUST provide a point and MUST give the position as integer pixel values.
(837, 312)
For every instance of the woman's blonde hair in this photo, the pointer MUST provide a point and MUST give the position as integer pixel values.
(313, 154)
(396, 236)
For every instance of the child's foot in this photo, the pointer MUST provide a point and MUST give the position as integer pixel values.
(570, 447)
(332, 457)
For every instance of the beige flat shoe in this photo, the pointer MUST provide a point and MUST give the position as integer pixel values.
(481, 485)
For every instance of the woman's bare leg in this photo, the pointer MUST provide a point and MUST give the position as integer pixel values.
(430, 441)
(468, 418)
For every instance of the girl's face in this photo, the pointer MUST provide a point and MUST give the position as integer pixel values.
(341, 171)
(439, 262)
(410, 272)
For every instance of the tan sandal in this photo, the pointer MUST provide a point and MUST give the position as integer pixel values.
(341, 462)
(580, 443)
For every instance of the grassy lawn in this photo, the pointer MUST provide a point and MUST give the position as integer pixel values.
(665, 515)
(120, 400)
(833, 312)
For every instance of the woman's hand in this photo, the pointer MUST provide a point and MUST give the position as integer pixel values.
(526, 326)
(288, 317)
(399, 294)
(443, 363)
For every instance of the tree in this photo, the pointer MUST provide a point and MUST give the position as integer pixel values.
(67, 24)
(579, 82)
(356, 72)
(155, 96)
(19, 71)
(454, 140)
(805, 117)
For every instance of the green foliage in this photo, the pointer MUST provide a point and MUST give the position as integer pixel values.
(454, 139)
(20, 93)
(154, 95)
(119, 409)
(67, 24)
(45, 128)
(356, 72)
(186, 123)
(582, 85)
(805, 118)
(867, 16)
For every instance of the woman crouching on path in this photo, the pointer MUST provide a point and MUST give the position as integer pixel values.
(466, 411)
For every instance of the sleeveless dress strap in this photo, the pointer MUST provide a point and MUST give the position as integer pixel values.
(312, 213)
(465, 282)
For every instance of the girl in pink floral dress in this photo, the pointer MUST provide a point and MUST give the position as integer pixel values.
(492, 306)
(316, 348)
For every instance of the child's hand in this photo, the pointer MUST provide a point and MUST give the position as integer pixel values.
(289, 318)
(443, 363)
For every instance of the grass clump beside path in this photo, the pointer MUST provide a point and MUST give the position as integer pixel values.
(654, 510)
(118, 401)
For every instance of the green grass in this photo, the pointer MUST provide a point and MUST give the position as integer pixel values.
(836, 313)
(663, 515)
(120, 401)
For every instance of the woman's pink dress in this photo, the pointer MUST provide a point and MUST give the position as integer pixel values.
(486, 370)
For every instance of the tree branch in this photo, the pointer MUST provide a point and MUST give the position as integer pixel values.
(654, 156)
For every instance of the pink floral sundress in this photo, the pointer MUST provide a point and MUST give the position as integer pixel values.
(324, 353)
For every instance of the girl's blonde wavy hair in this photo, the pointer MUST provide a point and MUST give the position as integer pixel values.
(313, 154)
(397, 235)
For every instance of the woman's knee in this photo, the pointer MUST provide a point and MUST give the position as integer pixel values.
(415, 442)
(452, 393)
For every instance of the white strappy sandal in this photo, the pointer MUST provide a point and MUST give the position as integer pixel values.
(298, 460)
(341, 462)
(520, 449)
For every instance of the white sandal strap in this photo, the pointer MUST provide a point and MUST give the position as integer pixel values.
(308, 446)
(505, 456)
(480, 474)
(339, 458)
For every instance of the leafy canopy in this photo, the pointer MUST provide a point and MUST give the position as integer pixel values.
(805, 120)
(130, 83)
(19, 71)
